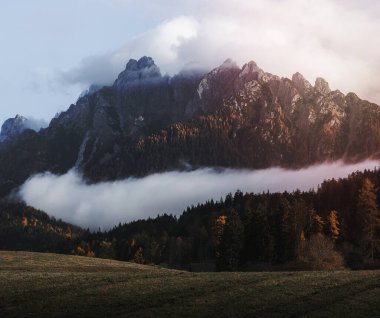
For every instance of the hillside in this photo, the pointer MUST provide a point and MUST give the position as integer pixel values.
(49, 285)
(230, 117)
(25, 228)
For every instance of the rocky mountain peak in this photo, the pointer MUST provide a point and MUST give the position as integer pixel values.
(251, 67)
(20, 118)
(321, 86)
(217, 85)
(145, 62)
(252, 72)
(138, 71)
(229, 63)
(352, 98)
(301, 83)
(12, 127)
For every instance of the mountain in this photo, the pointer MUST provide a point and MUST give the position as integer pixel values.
(25, 228)
(13, 127)
(230, 117)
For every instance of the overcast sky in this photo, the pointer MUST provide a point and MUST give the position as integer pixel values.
(52, 50)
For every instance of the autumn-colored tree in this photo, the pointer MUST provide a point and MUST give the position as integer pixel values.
(318, 253)
(105, 249)
(68, 233)
(79, 251)
(318, 224)
(302, 236)
(138, 257)
(333, 229)
(369, 214)
(24, 221)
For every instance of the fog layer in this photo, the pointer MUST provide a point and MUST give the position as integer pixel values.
(108, 203)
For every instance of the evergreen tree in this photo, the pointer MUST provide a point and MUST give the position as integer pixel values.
(370, 217)
(263, 243)
(217, 233)
(293, 222)
(232, 243)
(249, 233)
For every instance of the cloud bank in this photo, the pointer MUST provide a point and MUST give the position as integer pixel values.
(108, 203)
(334, 39)
(36, 124)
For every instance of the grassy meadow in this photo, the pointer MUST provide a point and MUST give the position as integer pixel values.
(51, 285)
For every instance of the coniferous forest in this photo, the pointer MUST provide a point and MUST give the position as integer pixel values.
(334, 226)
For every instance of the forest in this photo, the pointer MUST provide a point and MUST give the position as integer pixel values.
(335, 226)
(24, 228)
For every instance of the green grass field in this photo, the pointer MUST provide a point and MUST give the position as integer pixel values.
(50, 285)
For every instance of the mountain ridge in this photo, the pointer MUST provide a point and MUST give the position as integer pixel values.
(229, 117)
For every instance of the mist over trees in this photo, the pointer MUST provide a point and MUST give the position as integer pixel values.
(333, 227)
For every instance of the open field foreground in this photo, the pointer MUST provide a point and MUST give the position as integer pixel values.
(50, 285)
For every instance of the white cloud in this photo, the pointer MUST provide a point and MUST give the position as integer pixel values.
(36, 124)
(330, 38)
(163, 43)
(108, 203)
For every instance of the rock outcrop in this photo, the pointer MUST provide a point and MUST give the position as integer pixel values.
(230, 117)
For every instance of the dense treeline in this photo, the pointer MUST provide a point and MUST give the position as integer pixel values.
(334, 226)
(25, 228)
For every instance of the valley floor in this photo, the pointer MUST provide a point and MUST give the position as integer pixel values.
(50, 285)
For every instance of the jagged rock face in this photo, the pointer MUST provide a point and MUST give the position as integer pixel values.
(138, 73)
(231, 116)
(91, 90)
(215, 87)
(13, 127)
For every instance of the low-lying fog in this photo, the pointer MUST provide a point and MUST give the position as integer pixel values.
(106, 204)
